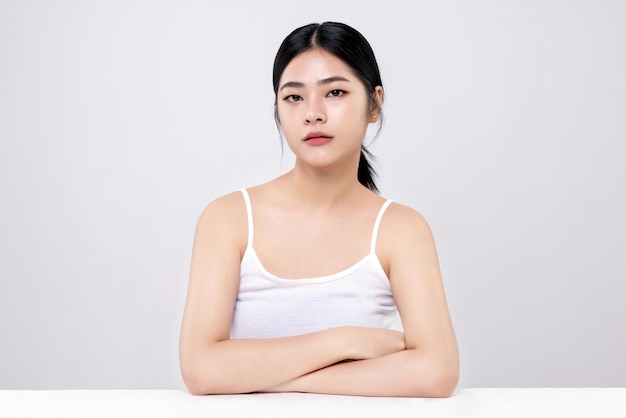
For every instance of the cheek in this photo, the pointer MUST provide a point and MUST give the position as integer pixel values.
(285, 112)
(352, 116)
(287, 122)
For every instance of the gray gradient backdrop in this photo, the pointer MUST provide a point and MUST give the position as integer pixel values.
(120, 120)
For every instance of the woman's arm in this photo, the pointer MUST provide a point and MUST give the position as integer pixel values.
(430, 365)
(210, 361)
(406, 373)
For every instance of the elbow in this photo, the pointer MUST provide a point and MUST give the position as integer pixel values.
(435, 377)
(195, 390)
(192, 381)
(198, 372)
(198, 377)
(443, 380)
(210, 378)
(443, 386)
(201, 385)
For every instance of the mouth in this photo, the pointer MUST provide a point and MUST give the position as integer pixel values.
(316, 136)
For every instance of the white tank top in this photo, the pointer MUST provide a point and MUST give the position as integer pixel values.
(268, 306)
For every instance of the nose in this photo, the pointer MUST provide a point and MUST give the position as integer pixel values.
(315, 112)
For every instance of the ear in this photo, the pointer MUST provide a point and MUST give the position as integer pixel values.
(377, 104)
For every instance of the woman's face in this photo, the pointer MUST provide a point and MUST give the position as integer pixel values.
(323, 109)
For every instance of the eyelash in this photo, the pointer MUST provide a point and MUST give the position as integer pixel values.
(293, 98)
(338, 91)
(333, 93)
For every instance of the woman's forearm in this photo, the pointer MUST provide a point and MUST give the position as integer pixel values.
(405, 373)
(247, 365)
(240, 366)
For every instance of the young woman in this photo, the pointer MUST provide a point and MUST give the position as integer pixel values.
(312, 282)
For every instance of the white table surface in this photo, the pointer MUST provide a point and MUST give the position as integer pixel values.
(483, 403)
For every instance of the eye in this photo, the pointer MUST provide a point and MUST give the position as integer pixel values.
(336, 93)
(293, 98)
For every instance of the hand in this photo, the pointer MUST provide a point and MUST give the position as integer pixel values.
(365, 343)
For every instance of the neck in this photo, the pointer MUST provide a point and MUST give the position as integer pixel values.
(323, 188)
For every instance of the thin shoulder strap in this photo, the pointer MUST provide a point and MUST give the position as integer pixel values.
(246, 197)
(377, 224)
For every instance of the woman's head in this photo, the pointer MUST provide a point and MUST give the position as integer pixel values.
(352, 48)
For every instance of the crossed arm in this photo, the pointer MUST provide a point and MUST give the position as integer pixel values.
(422, 361)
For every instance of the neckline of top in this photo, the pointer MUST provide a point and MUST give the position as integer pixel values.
(250, 252)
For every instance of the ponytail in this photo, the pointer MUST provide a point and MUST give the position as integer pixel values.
(366, 173)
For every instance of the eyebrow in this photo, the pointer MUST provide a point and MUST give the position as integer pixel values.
(324, 81)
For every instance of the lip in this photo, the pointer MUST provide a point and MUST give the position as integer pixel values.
(316, 135)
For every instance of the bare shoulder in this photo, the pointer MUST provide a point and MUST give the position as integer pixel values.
(403, 221)
(403, 233)
(225, 207)
(224, 218)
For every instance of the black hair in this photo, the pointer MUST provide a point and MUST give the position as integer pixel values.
(347, 44)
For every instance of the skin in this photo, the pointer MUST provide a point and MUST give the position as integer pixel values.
(314, 221)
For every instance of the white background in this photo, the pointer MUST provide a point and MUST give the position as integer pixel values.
(120, 120)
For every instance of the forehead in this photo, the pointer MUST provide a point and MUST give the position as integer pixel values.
(316, 64)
